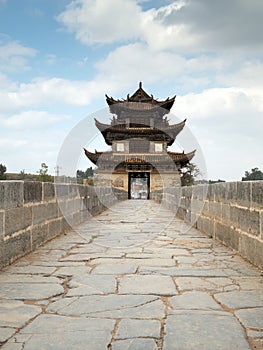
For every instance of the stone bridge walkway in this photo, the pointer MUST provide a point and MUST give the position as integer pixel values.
(131, 278)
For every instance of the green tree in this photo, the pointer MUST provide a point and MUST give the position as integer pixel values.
(80, 174)
(43, 175)
(22, 174)
(188, 174)
(85, 174)
(215, 181)
(2, 172)
(254, 174)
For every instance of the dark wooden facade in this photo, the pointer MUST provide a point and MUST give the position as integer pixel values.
(139, 135)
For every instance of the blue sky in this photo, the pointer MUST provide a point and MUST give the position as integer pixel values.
(58, 58)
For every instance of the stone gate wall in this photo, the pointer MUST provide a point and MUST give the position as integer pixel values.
(231, 212)
(34, 212)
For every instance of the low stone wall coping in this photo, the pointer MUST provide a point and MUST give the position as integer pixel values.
(33, 212)
(231, 212)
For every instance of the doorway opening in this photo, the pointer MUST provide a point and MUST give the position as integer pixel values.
(139, 185)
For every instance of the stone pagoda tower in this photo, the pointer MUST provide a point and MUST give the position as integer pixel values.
(139, 135)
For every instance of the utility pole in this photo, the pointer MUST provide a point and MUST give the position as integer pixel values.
(57, 168)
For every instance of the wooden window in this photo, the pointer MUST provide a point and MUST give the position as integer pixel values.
(139, 146)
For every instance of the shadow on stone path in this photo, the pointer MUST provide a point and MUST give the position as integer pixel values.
(134, 278)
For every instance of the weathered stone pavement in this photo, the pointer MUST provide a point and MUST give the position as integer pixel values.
(132, 278)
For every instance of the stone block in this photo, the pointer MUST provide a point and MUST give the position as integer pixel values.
(226, 213)
(44, 212)
(227, 235)
(83, 192)
(17, 219)
(183, 202)
(52, 211)
(90, 191)
(85, 215)
(70, 206)
(206, 208)
(1, 225)
(187, 203)
(193, 219)
(84, 204)
(89, 203)
(197, 206)
(234, 215)
(188, 192)
(73, 190)
(246, 220)
(244, 193)
(257, 194)
(48, 191)
(210, 193)
(205, 225)
(181, 213)
(231, 192)
(54, 228)
(188, 216)
(61, 191)
(77, 204)
(77, 218)
(65, 226)
(39, 213)
(199, 192)
(174, 208)
(39, 235)
(62, 208)
(11, 194)
(220, 192)
(251, 248)
(32, 191)
(15, 247)
(215, 210)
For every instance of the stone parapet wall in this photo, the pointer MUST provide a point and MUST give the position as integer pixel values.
(34, 212)
(231, 212)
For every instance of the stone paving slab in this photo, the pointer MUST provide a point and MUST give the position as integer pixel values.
(204, 330)
(135, 344)
(241, 299)
(52, 332)
(152, 285)
(194, 300)
(251, 318)
(111, 306)
(26, 291)
(16, 314)
(138, 328)
(86, 284)
(134, 278)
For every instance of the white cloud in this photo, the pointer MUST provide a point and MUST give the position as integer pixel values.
(9, 143)
(228, 124)
(102, 21)
(14, 56)
(137, 62)
(222, 103)
(42, 91)
(33, 120)
(184, 26)
(204, 25)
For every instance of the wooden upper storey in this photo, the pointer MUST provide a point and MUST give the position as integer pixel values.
(139, 104)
